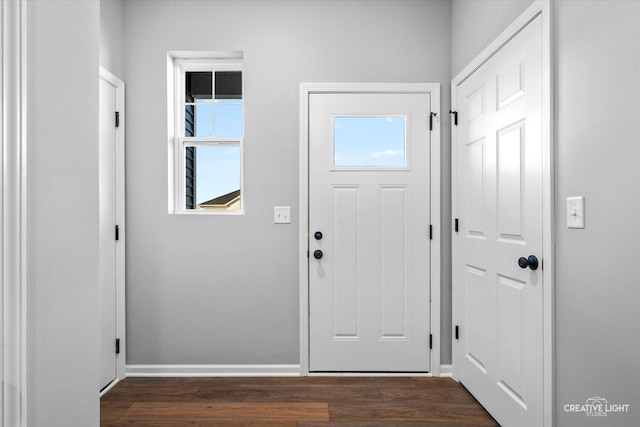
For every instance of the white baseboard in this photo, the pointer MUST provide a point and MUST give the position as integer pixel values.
(242, 371)
(213, 370)
(370, 374)
(446, 371)
(109, 387)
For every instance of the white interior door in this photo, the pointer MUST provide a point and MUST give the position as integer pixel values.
(108, 210)
(369, 215)
(500, 211)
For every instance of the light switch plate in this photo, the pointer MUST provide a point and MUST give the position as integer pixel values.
(282, 214)
(575, 212)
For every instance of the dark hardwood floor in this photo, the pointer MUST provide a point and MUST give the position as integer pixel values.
(291, 402)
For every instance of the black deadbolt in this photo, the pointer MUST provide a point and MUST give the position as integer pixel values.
(318, 235)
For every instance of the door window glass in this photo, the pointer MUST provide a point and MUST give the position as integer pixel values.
(369, 141)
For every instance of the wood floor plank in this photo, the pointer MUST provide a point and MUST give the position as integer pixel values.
(438, 383)
(110, 411)
(290, 394)
(472, 414)
(180, 381)
(226, 411)
(186, 423)
(336, 381)
(153, 393)
(428, 395)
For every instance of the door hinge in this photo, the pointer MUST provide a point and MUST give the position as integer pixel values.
(117, 232)
(456, 225)
(117, 345)
(430, 341)
(455, 117)
(431, 116)
(430, 232)
(117, 119)
(457, 332)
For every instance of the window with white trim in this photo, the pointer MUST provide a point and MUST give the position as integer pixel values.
(208, 156)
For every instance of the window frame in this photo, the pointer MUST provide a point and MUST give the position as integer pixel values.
(181, 142)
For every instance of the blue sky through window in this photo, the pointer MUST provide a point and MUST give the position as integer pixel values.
(369, 141)
(217, 171)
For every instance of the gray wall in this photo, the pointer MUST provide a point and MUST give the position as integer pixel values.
(597, 45)
(224, 289)
(476, 23)
(598, 155)
(62, 218)
(112, 36)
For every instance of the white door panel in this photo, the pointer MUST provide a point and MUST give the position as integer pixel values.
(499, 199)
(369, 293)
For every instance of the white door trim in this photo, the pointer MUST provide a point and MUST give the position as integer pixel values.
(121, 367)
(306, 89)
(542, 8)
(13, 216)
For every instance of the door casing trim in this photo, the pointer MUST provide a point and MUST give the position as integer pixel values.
(14, 394)
(539, 8)
(433, 89)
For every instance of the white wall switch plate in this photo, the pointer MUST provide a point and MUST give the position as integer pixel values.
(282, 214)
(575, 212)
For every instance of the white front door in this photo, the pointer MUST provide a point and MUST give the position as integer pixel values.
(499, 181)
(369, 215)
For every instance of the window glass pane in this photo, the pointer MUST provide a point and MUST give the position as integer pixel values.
(203, 118)
(216, 177)
(198, 85)
(369, 141)
(228, 117)
(228, 85)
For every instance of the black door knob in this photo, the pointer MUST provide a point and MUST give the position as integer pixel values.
(317, 254)
(318, 235)
(531, 262)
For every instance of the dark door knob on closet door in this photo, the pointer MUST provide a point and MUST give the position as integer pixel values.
(317, 254)
(531, 261)
(318, 235)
